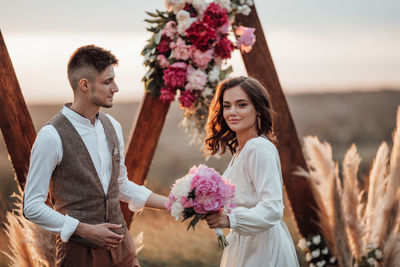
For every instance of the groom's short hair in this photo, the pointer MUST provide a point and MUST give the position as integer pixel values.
(88, 61)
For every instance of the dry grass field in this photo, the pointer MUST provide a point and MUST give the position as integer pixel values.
(365, 119)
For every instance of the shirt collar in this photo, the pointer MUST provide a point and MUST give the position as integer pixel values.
(71, 114)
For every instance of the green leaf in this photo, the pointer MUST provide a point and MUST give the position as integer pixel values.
(157, 37)
(149, 73)
(194, 222)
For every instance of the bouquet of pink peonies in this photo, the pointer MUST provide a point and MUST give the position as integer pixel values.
(200, 192)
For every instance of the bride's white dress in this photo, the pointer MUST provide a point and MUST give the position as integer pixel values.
(258, 236)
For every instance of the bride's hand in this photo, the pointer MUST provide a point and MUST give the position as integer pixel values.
(218, 220)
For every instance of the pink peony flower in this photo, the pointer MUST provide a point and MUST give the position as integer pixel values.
(187, 203)
(246, 38)
(181, 50)
(164, 46)
(162, 61)
(201, 35)
(215, 16)
(169, 29)
(187, 98)
(212, 192)
(175, 75)
(224, 48)
(201, 59)
(167, 95)
(196, 79)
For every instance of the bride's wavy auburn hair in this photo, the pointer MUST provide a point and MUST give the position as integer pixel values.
(219, 135)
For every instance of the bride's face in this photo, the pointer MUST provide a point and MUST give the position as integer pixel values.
(238, 110)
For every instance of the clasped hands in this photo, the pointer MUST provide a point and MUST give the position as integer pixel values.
(100, 234)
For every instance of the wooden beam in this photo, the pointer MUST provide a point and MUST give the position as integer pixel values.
(15, 121)
(143, 141)
(259, 65)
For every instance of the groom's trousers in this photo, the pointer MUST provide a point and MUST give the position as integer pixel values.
(73, 254)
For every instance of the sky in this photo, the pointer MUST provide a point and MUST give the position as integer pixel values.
(317, 45)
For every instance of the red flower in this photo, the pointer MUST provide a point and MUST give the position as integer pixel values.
(175, 75)
(163, 47)
(187, 98)
(224, 48)
(167, 95)
(201, 35)
(189, 8)
(215, 16)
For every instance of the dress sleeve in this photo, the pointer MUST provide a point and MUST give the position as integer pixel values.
(134, 194)
(263, 167)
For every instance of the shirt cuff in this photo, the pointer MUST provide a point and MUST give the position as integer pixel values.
(68, 228)
(232, 220)
(137, 202)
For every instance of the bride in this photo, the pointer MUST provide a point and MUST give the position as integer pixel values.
(240, 120)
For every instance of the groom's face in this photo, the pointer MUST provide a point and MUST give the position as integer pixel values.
(103, 87)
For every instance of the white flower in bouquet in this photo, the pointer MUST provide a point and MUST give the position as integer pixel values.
(226, 4)
(332, 260)
(308, 243)
(371, 261)
(184, 21)
(302, 243)
(249, 2)
(175, 5)
(213, 75)
(177, 210)
(308, 256)
(244, 9)
(207, 92)
(181, 187)
(200, 6)
(325, 251)
(316, 239)
(321, 263)
(378, 254)
(315, 253)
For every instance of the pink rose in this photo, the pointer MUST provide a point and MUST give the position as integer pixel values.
(164, 46)
(246, 38)
(187, 98)
(175, 75)
(181, 50)
(224, 48)
(162, 61)
(201, 59)
(167, 95)
(169, 29)
(196, 79)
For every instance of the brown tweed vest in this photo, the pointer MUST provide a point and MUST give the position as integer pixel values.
(75, 187)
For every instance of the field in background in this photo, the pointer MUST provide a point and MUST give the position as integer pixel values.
(366, 119)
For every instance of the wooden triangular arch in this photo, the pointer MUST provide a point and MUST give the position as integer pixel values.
(19, 133)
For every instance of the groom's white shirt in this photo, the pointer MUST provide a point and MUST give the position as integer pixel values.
(47, 153)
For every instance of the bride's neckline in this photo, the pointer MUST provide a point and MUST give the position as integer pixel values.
(237, 154)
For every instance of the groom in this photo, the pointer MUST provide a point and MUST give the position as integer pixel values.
(78, 159)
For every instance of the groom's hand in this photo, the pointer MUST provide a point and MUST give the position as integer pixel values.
(100, 234)
(218, 220)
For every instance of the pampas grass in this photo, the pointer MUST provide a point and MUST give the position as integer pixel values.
(351, 222)
(23, 249)
(32, 245)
